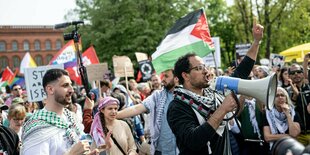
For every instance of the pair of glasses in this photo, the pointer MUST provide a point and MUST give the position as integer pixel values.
(199, 68)
(295, 71)
(280, 95)
(17, 89)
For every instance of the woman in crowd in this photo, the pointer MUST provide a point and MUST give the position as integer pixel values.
(109, 133)
(16, 117)
(284, 80)
(282, 121)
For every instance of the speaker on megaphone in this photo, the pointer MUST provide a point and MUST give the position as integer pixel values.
(263, 90)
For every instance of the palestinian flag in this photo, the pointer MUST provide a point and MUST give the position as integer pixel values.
(190, 34)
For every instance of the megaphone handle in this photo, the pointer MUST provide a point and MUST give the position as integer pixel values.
(238, 107)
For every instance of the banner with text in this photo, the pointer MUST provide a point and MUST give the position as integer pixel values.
(34, 85)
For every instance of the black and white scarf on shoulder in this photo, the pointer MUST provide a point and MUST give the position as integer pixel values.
(203, 106)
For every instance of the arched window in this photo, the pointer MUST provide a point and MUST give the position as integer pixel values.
(14, 46)
(38, 59)
(2, 46)
(49, 57)
(16, 61)
(4, 62)
(58, 45)
(37, 45)
(48, 45)
(26, 45)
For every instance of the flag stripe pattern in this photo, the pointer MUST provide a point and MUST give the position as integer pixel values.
(190, 34)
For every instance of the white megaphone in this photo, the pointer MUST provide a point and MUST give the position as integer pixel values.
(263, 90)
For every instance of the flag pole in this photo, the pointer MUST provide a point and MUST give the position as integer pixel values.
(125, 69)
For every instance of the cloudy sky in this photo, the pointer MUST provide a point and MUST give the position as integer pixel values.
(34, 12)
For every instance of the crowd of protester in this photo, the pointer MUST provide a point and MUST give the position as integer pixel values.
(164, 116)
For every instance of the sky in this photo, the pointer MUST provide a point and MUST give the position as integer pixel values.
(34, 12)
(37, 12)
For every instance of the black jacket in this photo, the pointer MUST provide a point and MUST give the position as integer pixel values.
(9, 140)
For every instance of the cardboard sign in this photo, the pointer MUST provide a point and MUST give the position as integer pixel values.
(122, 66)
(33, 80)
(141, 56)
(97, 71)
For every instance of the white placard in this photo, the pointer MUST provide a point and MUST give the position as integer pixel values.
(208, 60)
(33, 80)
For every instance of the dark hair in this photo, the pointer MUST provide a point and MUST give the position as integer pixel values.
(182, 65)
(105, 83)
(120, 97)
(14, 85)
(102, 120)
(53, 75)
(284, 69)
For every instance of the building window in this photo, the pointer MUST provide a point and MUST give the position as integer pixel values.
(58, 45)
(49, 58)
(38, 59)
(37, 45)
(48, 45)
(2, 46)
(16, 62)
(14, 46)
(26, 45)
(4, 62)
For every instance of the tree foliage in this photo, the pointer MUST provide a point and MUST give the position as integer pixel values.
(123, 27)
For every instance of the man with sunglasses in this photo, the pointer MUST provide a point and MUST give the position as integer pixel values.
(299, 92)
(16, 91)
(196, 114)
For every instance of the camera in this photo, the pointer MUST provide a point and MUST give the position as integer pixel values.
(288, 144)
(69, 36)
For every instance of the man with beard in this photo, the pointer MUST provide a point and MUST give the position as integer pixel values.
(196, 113)
(162, 138)
(299, 91)
(53, 130)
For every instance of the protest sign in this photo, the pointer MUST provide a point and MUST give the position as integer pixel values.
(33, 80)
(122, 66)
(97, 71)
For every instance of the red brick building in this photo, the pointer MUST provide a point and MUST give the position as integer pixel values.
(42, 42)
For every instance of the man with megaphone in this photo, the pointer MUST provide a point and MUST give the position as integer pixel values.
(196, 113)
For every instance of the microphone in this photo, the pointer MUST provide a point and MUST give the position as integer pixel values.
(64, 25)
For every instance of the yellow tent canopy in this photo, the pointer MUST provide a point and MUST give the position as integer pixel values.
(297, 53)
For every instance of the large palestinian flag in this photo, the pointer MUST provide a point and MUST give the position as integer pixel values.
(190, 34)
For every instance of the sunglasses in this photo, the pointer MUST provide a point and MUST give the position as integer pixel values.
(295, 71)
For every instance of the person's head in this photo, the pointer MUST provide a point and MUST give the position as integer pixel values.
(16, 90)
(263, 71)
(169, 80)
(16, 116)
(107, 108)
(283, 74)
(2, 107)
(132, 84)
(295, 72)
(121, 98)
(57, 85)
(155, 81)
(105, 86)
(191, 71)
(282, 97)
(144, 89)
